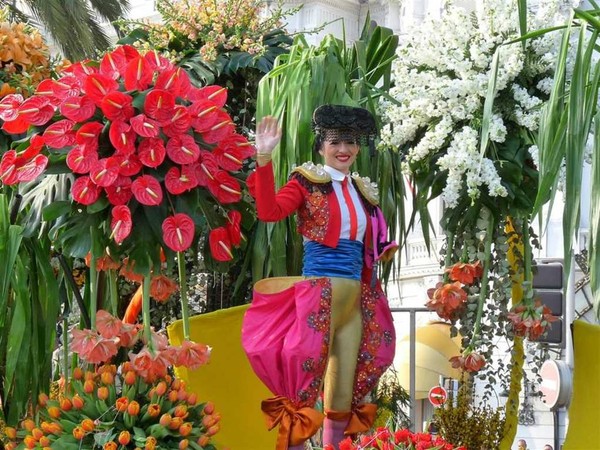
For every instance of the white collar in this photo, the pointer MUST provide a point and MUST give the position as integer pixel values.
(335, 174)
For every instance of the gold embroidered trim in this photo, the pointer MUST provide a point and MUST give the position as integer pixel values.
(367, 188)
(313, 172)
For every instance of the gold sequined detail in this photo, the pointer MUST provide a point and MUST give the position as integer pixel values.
(313, 172)
(367, 188)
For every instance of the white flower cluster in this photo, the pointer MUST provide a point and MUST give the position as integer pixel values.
(441, 80)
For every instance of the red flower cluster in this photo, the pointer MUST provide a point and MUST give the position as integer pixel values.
(100, 346)
(385, 439)
(464, 272)
(133, 128)
(531, 322)
(473, 362)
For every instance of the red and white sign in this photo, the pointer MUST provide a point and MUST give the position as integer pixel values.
(556, 383)
(437, 396)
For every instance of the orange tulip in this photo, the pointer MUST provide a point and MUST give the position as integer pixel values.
(133, 409)
(102, 393)
(66, 404)
(88, 425)
(121, 404)
(78, 433)
(124, 437)
(78, 402)
(185, 429)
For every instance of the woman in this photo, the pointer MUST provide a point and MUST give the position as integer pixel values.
(331, 326)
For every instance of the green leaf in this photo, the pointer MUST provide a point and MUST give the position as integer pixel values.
(55, 210)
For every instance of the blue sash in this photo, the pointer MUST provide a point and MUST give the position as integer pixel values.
(344, 261)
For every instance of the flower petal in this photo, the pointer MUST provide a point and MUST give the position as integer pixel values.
(183, 149)
(120, 224)
(178, 232)
(85, 191)
(220, 245)
(146, 190)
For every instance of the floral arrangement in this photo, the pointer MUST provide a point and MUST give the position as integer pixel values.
(137, 405)
(134, 134)
(24, 57)
(385, 439)
(214, 26)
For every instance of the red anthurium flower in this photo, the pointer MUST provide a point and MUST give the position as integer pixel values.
(146, 190)
(214, 93)
(16, 168)
(9, 107)
(16, 126)
(121, 223)
(81, 158)
(145, 126)
(59, 134)
(97, 86)
(78, 109)
(228, 157)
(129, 164)
(129, 51)
(36, 110)
(151, 152)
(177, 182)
(204, 114)
(117, 106)
(220, 130)
(138, 74)
(122, 137)
(113, 64)
(46, 89)
(159, 104)
(105, 171)
(206, 168)
(174, 80)
(179, 122)
(178, 232)
(240, 143)
(225, 188)
(119, 193)
(157, 62)
(234, 219)
(88, 134)
(183, 149)
(220, 245)
(85, 191)
(67, 86)
(81, 70)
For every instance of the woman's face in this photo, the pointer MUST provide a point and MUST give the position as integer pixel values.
(339, 154)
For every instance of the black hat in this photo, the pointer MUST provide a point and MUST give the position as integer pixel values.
(332, 122)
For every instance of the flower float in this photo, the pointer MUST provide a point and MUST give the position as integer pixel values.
(136, 405)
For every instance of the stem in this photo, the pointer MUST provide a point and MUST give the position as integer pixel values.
(66, 350)
(113, 291)
(527, 258)
(448, 258)
(93, 281)
(183, 294)
(484, 278)
(146, 309)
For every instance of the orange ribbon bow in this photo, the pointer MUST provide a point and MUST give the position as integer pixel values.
(360, 419)
(296, 425)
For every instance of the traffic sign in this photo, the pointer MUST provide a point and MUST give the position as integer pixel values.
(437, 396)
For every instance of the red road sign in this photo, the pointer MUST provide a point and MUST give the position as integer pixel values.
(437, 396)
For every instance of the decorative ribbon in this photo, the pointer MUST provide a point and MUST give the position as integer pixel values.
(296, 425)
(360, 419)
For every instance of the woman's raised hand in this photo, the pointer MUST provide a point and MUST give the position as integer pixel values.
(268, 135)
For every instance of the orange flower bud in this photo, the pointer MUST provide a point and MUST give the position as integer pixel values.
(133, 408)
(209, 408)
(150, 443)
(107, 378)
(180, 411)
(28, 424)
(89, 375)
(185, 429)
(44, 441)
(10, 446)
(30, 442)
(172, 396)
(176, 422)
(78, 402)
(37, 433)
(130, 378)
(203, 440)
(121, 404)
(78, 373)
(78, 433)
(161, 388)
(183, 444)
(213, 430)
(192, 399)
(42, 399)
(165, 420)
(124, 437)
(65, 404)
(10, 432)
(110, 446)
(182, 395)
(89, 386)
(88, 425)
(153, 409)
(208, 421)
(176, 385)
(54, 412)
(102, 393)
(126, 367)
